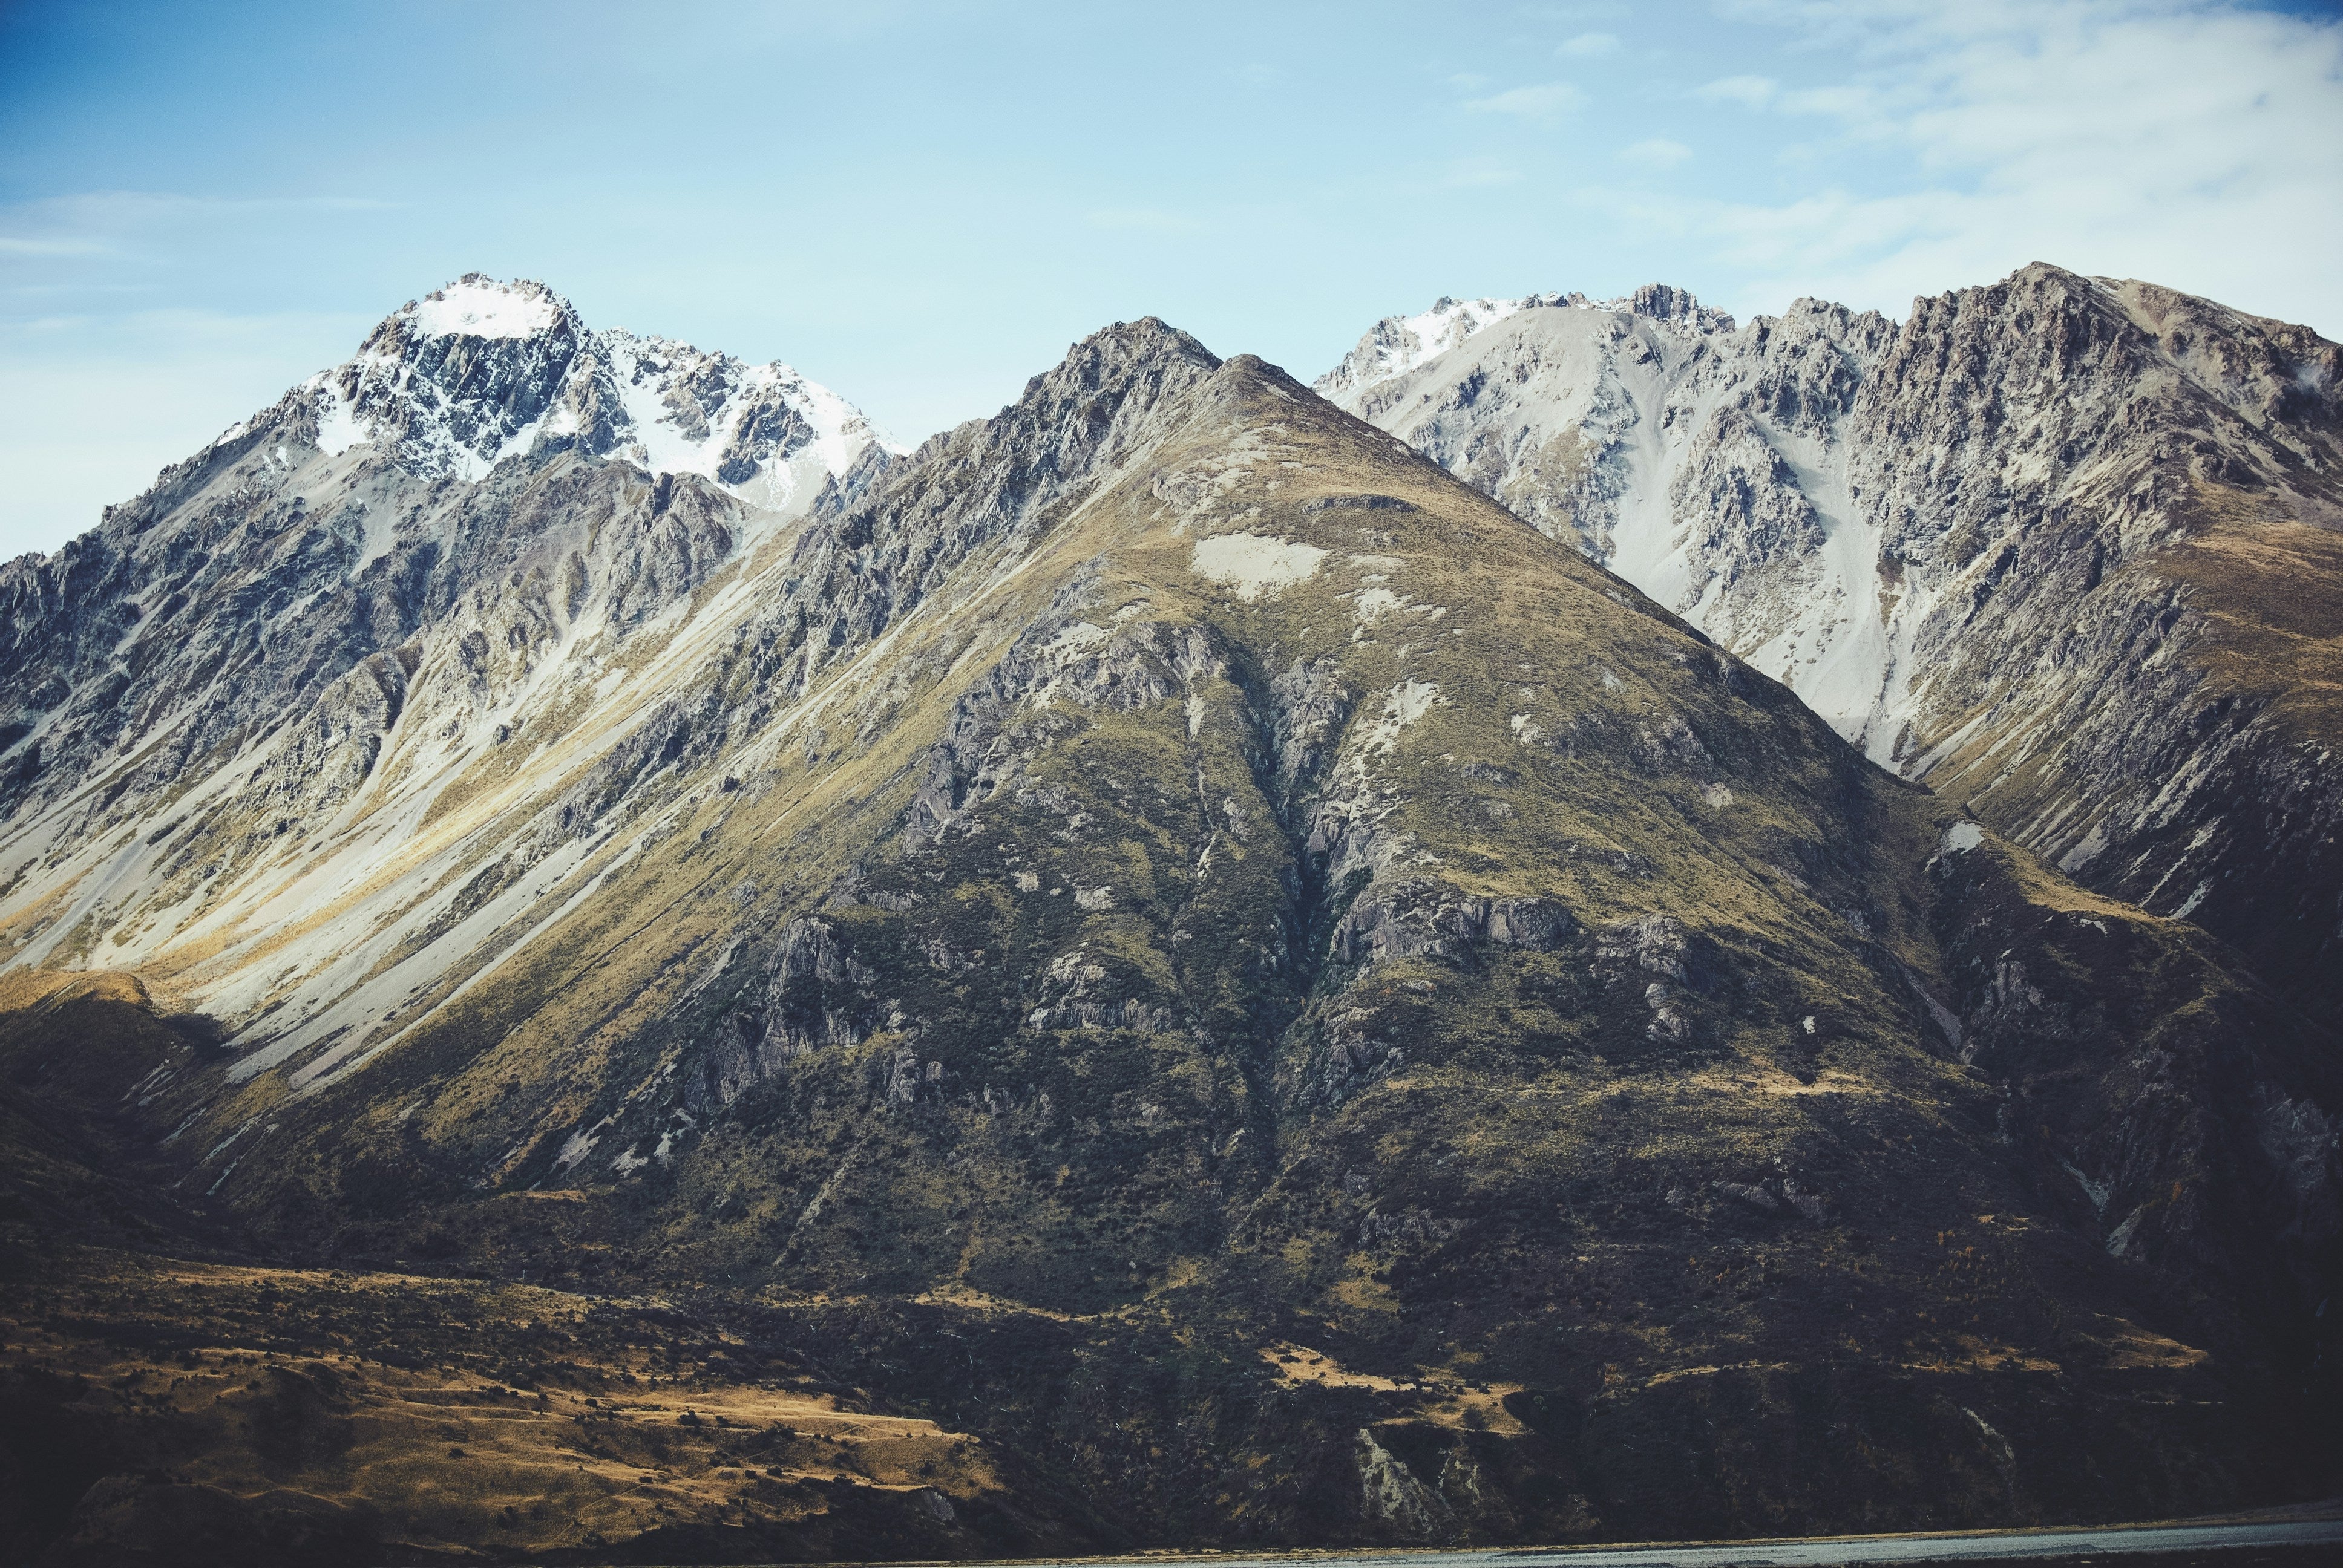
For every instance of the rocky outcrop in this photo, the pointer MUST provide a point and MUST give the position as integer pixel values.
(1420, 919)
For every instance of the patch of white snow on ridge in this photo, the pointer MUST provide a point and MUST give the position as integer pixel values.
(662, 447)
(483, 310)
(1448, 323)
(1398, 344)
(1255, 564)
(1963, 837)
(648, 369)
(338, 429)
(842, 427)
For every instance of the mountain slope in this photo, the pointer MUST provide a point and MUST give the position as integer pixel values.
(2062, 547)
(1164, 932)
(279, 659)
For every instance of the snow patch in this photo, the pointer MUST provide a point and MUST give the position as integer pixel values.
(338, 429)
(1255, 564)
(483, 310)
(2097, 1192)
(1963, 837)
(1400, 343)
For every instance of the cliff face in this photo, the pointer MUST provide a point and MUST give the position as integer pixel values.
(2061, 548)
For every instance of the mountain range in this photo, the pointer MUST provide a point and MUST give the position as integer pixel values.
(1608, 925)
(2061, 548)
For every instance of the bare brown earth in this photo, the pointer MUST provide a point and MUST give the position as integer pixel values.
(182, 1411)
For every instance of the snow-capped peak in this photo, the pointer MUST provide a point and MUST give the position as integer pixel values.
(752, 428)
(1398, 344)
(484, 370)
(476, 305)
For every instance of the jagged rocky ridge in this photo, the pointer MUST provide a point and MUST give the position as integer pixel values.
(2063, 547)
(302, 643)
(1164, 930)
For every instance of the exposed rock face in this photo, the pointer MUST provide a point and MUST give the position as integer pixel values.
(409, 578)
(2063, 547)
(1166, 872)
(483, 370)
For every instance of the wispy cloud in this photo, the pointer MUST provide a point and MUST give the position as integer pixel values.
(1591, 11)
(1587, 45)
(126, 225)
(1546, 101)
(2146, 140)
(1657, 152)
(1751, 92)
(11, 245)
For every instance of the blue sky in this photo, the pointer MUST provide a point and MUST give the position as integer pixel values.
(921, 204)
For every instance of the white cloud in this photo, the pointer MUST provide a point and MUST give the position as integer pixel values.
(12, 244)
(1542, 101)
(1656, 153)
(1751, 92)
(2195, 145)
(1586, 45)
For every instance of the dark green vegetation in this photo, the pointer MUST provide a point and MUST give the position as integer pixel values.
(1227, 970)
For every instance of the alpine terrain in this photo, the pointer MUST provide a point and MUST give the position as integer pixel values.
(603, 965)
(2066, 549)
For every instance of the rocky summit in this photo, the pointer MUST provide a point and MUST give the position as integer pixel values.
(604, 965)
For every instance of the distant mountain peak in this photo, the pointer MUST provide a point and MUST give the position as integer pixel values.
(1138, 342)
(478, 305)
(1676, 306)
(2054, 517)
(1398, 344)
(486, 369)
